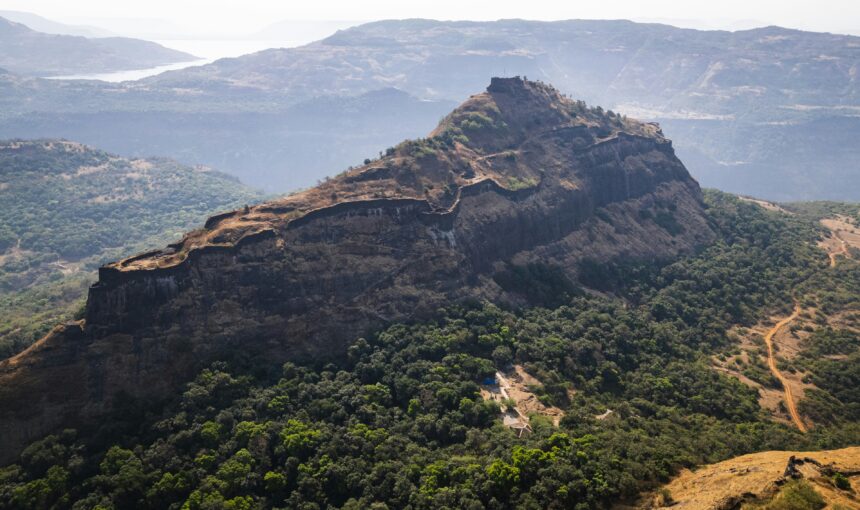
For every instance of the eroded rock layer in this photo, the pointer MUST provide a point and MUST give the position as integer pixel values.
(516, 175)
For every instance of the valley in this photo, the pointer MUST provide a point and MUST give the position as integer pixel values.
(783, 479)
(69, 208)
(790, 335)
(422, 264)
(769, 112)
(343, 346)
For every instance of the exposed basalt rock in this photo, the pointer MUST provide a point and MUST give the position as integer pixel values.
(515, 175)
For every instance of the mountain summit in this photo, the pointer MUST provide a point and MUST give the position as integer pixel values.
(518, 178)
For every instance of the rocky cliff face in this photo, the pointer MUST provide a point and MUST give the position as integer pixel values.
(516, 175)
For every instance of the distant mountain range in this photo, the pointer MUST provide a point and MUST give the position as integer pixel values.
(675, 72)
(770, 112)
(40, 24)
(31, 53)
(297, 30)
(292, 146)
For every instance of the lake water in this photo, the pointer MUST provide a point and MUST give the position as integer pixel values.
(207, 50)
(134, 74)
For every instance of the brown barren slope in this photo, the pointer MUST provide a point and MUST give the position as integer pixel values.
(728, 484)
(844, 236)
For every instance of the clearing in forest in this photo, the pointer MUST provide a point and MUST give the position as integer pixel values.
(517, 386)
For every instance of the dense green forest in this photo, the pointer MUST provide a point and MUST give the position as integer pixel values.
(399, 421)
(68, 208)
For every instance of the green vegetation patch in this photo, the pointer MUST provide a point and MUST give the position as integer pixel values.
(68, 208)
(795, 495)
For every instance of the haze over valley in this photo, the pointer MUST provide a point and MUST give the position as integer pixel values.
(423, 255)
(745, 109)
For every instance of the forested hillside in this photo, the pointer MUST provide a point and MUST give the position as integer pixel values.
(67, 208)
(401, 422)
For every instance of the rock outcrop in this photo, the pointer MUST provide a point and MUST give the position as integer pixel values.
(516, 175)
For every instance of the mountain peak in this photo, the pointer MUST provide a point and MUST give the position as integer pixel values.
(514, 110)
(515, 137)
(518, 175)
(516, 85)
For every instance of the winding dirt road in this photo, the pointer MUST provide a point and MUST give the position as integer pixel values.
(771, 362)
(843, 250)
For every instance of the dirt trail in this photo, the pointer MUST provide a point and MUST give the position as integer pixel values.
(844, 250)
(841, 250)
(844, 235)
(771, 362)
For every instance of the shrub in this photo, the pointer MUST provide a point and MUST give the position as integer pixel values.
(797, 495)
(841, 482)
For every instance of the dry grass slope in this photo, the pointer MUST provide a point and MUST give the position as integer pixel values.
(759, 477)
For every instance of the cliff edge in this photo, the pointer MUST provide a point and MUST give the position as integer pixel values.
(516, 175)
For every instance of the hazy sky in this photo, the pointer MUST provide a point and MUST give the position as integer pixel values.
(234, 18)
